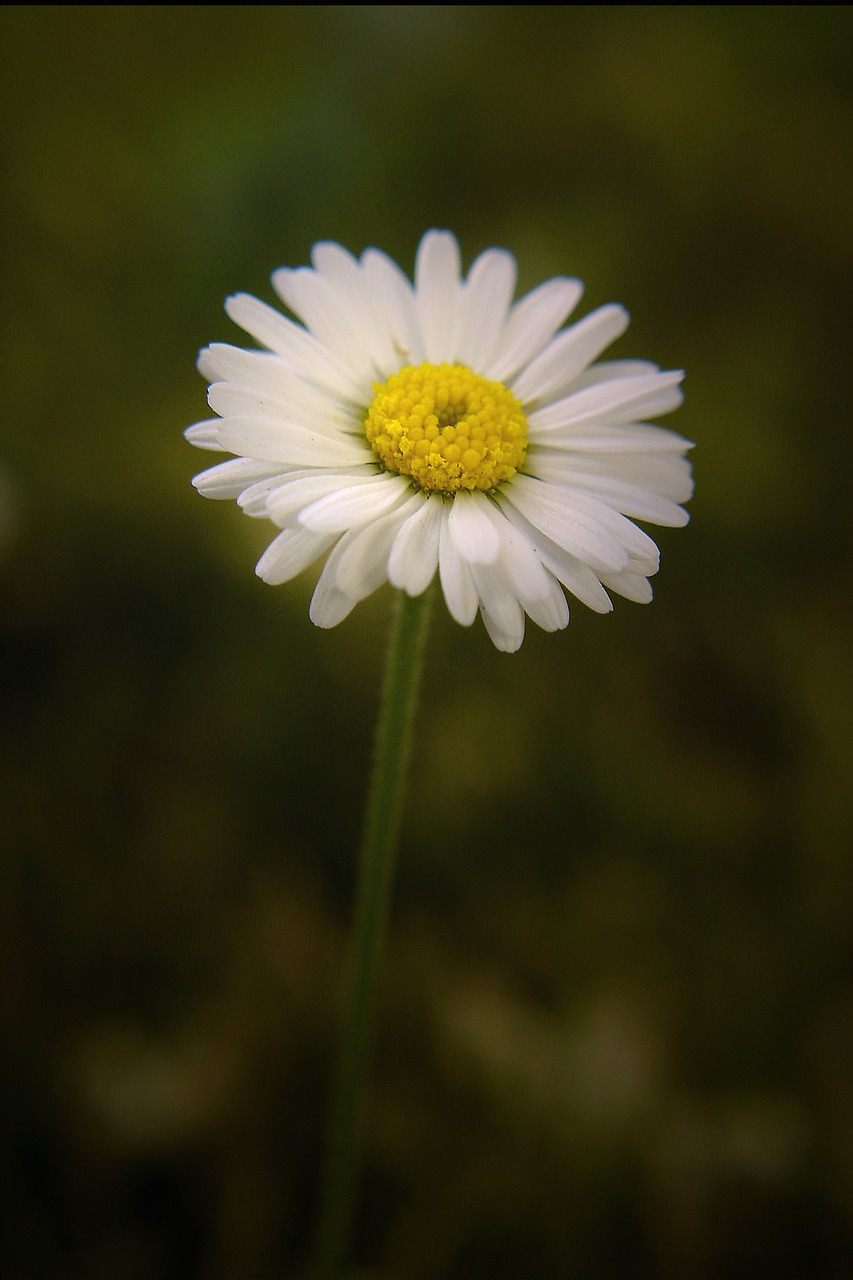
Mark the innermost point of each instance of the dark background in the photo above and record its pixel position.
(616, 1034)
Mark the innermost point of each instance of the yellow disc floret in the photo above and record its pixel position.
(447, 428)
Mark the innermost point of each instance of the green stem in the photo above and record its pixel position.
(376, 863)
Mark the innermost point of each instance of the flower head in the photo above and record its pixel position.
(408, 429)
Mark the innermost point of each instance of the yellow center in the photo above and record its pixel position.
(447, 428)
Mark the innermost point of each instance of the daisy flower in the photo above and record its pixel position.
(408, 429)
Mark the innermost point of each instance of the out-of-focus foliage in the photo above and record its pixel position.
(616, 1035)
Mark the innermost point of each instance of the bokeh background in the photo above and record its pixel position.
(616, 1027)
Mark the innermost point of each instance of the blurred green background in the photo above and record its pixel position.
(616, 1033)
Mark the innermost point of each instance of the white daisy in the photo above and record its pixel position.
(442, 426)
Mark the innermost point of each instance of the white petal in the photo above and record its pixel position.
(316, 303)
(301, 350)
(253, 500)
(532, 322)
(330, 605)
(631, 586)
(575, 576)
(473, 533)
(290, 443)
(666, 475)
(637, 501)
(362, 304)
(355, 505)
(438, 292)
(339, 311)
(519, 559)
(550, 612)
(632, 437)
(290, 553)
(636, 543)
(499, 607)
(363, 565)
(486, 300)
(304, 488)
(205, 435)
(529, 580)
(355, 568)
(395, 298)
(607, 370)
(414, 555)
(324, 313)
(505, 641)
(640, 504)
(613, 402)
(230, 479)
(547, 509)
(335, 263)
(460, 594)
(270, 375)
(554, 369)
(220, 362)
(330, 418)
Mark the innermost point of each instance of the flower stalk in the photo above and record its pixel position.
(375, 873)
